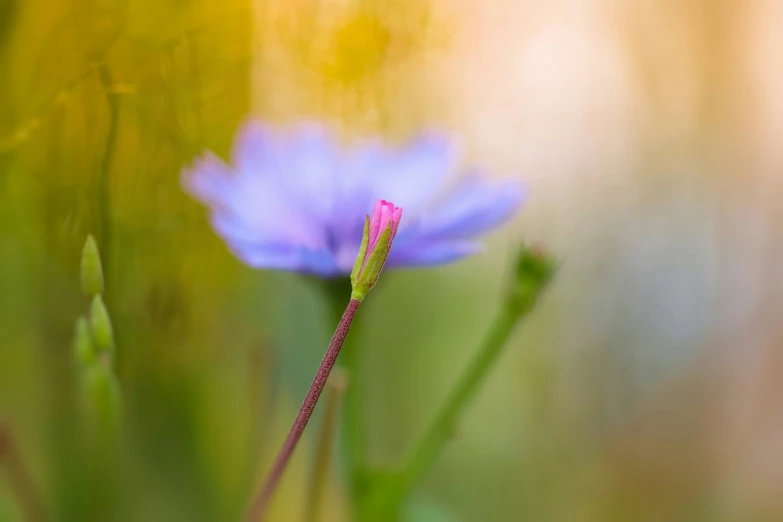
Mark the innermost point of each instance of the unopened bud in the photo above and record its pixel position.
(104, 399)
(534, 270)
(100, 323)
(379, 232)
(91, 269)
(83, 347)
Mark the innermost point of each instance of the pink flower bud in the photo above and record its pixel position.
(379, 232)
(383, 212)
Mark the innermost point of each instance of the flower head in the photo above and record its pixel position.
(296, 200)
(379, 232)
(384, 215)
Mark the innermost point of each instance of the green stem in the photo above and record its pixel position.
(386, 501)
(443, 426)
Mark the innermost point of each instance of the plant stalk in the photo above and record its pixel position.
(384, 502)
(260, 503)
(334, 396)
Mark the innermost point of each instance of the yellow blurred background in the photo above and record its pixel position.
(646, 386)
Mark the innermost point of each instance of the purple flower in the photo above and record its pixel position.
(297, 201)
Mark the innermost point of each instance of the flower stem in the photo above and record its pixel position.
(353, 434)
(385, 501)
(260, 503)
(442, 427)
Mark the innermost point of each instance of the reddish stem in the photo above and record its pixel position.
(260, 503)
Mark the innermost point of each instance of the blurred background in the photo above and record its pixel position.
(646, 386)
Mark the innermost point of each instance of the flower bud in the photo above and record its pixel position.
(534, 270)
(379, 232)
(91, 269)
(100, 322)
(82, 343)
(103, 398)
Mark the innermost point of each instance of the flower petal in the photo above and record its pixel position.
(413, 177)
(254, 200)
(308, 169)
(429, 253)
(256, 149)
(287, 257)
(353, 194)
(209, 179)
(292, 201)
(474, 207)
(234, 229)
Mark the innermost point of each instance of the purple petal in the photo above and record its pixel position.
(233, 229)
(308, 169)
(413, 176)
(287, 257)
(427, 253)
(256, 149)
(250, 205)
(209, 179)
(353, 194)
(473, 208)
(293, 201)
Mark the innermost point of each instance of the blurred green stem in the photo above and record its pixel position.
(353, 436)
(386, 498)
(443, 426)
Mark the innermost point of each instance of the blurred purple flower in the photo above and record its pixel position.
(295, 201)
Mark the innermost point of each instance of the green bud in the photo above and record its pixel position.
(534, 271)
(357, 265)
(101, 326)
(91, 269)
(368, 276)
(103, 397)
(82, 342)
(379, 232)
